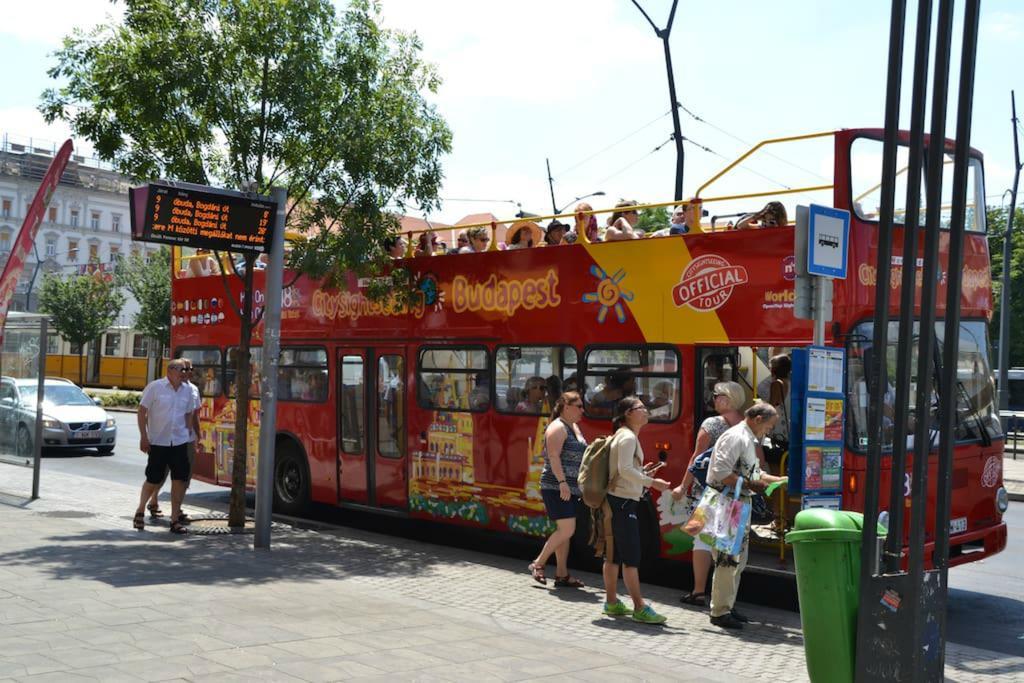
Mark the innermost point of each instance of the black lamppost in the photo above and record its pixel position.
(599, 193)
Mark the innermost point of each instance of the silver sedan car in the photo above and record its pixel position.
(70, 418)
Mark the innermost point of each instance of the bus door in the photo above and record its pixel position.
(372, 441)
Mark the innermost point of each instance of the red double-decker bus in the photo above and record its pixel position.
(434, 409)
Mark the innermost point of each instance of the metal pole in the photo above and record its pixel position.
(1004, 295)
(271, 358)
(551, 185)
(38, 441)
(906, 337)
(677, 133)
(818, 285)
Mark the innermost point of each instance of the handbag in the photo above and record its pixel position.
(700, 466)
(719, 520)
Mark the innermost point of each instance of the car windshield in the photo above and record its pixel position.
(56, 394)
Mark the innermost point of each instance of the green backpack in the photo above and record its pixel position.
(593, 475)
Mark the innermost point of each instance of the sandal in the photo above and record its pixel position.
(696, 599)
(184, 519)
(568, 581)
(178, 528)
(154, 511)
(538, 573)
(140, 521)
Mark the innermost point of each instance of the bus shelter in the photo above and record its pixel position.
(22, 369)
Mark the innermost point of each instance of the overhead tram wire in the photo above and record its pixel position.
(617, 142)
(721, 130)
(635, 162)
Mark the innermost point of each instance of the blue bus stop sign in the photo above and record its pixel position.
(828, 241)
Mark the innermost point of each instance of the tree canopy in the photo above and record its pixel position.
(278, 92)
(650, 220)
(80, 307)
(149, 281)
(997, 220)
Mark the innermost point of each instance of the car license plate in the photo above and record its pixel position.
(958, 525)
(93, 434)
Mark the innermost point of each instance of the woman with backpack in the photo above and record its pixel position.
(729, 398)
(563, 450)
(627, 478)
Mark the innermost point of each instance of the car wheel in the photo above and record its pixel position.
(105, 450)
(291, 480)
(24, 442)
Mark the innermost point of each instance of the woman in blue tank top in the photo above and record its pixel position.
(563, 452)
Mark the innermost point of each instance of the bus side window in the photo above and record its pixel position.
(453, 378)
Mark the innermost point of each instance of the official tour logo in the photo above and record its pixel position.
(707, 283)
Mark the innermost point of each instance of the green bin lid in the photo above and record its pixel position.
(820, 524)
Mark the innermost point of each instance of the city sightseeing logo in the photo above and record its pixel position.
(707, 283)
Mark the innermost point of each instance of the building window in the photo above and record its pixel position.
(74, 218)
(115, 223)
(72, 251)
(94, 220)
(115, 253)
(6, 210)
(112, 344)
(5, 242)
(51, 246)
(136, 251)
(53, 214)
(94, 252)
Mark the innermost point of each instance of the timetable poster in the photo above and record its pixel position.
(825, 370)
(822, 468)
(814, 425)
(833, 419)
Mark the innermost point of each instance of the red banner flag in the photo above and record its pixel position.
(27, 235)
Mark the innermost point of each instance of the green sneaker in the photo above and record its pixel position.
(616, 609)
(647, 615)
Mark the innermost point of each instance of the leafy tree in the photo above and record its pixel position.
(80, 307)
(997, 220)
(653, 219)
(264, 93)
(149, 281)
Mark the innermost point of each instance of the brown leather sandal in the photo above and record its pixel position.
(140, 521)
(568, 581)
(154, 511)
(538, 573)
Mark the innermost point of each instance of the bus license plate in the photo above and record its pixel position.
(94, 434)
(958, 525)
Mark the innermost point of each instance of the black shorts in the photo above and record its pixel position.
(556, 507)
(163, 458)
(625, 530)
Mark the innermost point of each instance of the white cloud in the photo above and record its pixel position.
(48, 21)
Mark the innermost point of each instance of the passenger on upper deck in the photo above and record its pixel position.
(203, 264)
(522, 236)
(426, 245)
(621, 223)
(554, 235)
(772, 215)
(461, 241)
(478, 239)
(395, 246)
(593, 234)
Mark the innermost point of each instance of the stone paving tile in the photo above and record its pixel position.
(398, 661)
(61, 677)
(267, 673)
(36, 663)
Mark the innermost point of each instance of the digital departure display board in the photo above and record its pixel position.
(195, 218)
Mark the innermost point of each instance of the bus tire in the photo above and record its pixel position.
(291, 479)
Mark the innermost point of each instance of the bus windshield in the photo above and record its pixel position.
(976, 416)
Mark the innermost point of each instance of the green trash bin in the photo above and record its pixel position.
(826, 550)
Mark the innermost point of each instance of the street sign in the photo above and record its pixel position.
(197, 216)
(828, 241)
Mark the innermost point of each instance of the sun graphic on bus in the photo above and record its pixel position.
(432, 294)
(609, 294)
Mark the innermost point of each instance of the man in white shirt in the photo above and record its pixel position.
(735, 456)
(165, 413)
(193, 429)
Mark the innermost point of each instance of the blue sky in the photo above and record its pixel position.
(565, 79)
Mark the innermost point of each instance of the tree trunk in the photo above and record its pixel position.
(236, 511)
(81, 365)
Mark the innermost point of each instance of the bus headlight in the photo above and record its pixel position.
(1002, 500)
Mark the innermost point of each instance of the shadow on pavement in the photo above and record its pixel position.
(1001, 614)
(129, 558)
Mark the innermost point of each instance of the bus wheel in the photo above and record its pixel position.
(291, 480)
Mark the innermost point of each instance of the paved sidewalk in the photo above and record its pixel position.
(1013, 475)
(84, 597)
